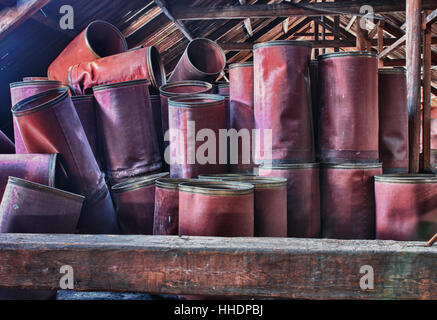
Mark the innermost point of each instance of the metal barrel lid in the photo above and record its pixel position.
(351, 166)
(59, 94)
(185, 83)
(46, 189)
(289, 166)
(241, 65)
(258, 182)
(120, 84)
(395, 70)
(28, 83)
(276, 43)
(172, 183)
(137, 182)
(195, 100)
(345, 54)
(406, 178)
(219, 188)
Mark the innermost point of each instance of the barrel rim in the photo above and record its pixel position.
(83, 97)
(288, 166)
(407, 178)
(276, 43)
(33, 83)
(61, 92)
(223, 85)
(214, 175)
(367, 54)
(137, 182)
(395, 70)
(47, 189)
(183, 83)
(150, 67)
(174, 103)
(171, 183)
(97, 56)
(204, 187)
(351, 166)
(215, 44)
(52, 169)
(120, 84)
(241, 65)
(257, 181)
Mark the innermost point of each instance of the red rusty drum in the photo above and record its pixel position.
(98, 39)
(128, 134)
(282, 100)
(155, 103)
(141, 63)
(348, 200)
(166, 215)
(203, 59)
(348, 107)
(223, 88)
(393, 120)
(270, 211)
(6, 145)
(135, 203)
(406, 206)
(242, 113)
(194, 123)
(303, 197)
(44, 169)
(216, 208)
(24, 89)
(314, 80)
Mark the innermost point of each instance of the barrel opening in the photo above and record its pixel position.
(104, 39)
(206, 56)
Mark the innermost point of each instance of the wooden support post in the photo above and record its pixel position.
(179, 24)
(316, 37)
(414, 22)
(361, 41)
(380, 33)
(426, 133)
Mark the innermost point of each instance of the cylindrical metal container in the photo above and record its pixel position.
(406, 206)
(203, 59)
(175, 89)
(29, 207)
(135, 203)
(44, 169)
(142, 63)
(24, 89)
(314, 81)
(50, 124)
(216, 208)
(223, 89)
(242, 115)
(348, 200)
(195, 147)
(98, 39)
(282, 101)
(270, 211)
(86, 110)
(6, 145)
(303, 197)
(128, 134)
(393, 120)
(155, 103)
(166, 215)
(348, 107)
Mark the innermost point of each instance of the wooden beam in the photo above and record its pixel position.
(392, 47)
(361, 38)
(328, 24)
(380, 40)
(12, 17)
(426, 126)
(413, 16)
(431, 18)
(179, 24)
(249, 267)
(288, 9)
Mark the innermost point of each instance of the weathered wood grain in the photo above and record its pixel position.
(264, 267)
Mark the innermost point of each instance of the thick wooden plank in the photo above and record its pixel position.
(12, 17)
(392, 47)
(431, 18)
(179, 24)
(288, 9)
(265, 267)
(414, 22)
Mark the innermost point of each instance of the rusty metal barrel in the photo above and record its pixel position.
(135, 203)
(216, 208)
(166, 214)
(348, 200)
(348, 128)
(98, 39)
(128, 133)
(6, 145)
(242, 113)
(24, 89)
(314, 81)
(194, 123)
(303, 196)
(282, 101)
(203, 59)
(406, 206)
(270, 211)
(393, 120)
(155, 103)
